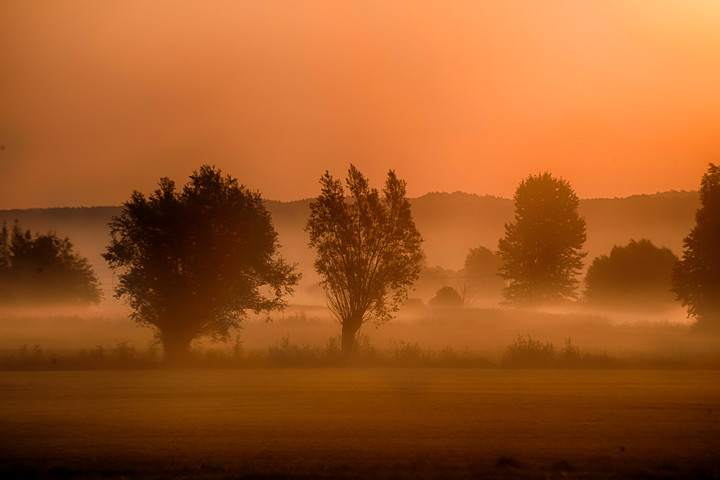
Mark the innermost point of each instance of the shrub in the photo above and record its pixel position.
(526, 352)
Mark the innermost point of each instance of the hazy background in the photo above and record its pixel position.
(451, 224)
(100, 98)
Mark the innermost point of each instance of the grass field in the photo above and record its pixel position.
(107, 338)
(360, 423)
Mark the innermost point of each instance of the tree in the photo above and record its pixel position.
(43, 269)
(431, 279)
(696, 278)
(368, 250)
(634, 275)
(481, 273)
(193, 261)
(446, 297)
(541, 249)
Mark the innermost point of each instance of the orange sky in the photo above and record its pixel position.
(98, 98)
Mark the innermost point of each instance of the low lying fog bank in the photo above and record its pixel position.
(487, 332)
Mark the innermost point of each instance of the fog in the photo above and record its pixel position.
(307, 334)
(451, 225)
(99, 99)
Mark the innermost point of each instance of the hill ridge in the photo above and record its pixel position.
(451, 224)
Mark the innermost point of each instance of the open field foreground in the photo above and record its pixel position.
(360, 423)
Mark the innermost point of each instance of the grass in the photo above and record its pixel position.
(307, 337)
(360, 423)
(523, 352)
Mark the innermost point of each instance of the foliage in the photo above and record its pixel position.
(479, 279)
(481, 273)
(193, 261)
(696, 278)
(525, 351)
(432, 279)
(638, 273)
(446, 297)
(541, 249)
(368, 249)
(43, 269)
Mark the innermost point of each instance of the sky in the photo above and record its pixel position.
(98, 99)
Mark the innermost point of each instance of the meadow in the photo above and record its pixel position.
(105, 338)
(360, 423)
(83, 395)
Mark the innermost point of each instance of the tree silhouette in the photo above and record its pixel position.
(431, 279)
(446, 297)
(541, 249)
(193, 261)
(368, 250)
(43, 269)
(696, 278)
(482, 273)
(634, 275)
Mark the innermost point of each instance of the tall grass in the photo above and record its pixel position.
(471, 338)
(527, 352)
(122, 355)
(524, 352)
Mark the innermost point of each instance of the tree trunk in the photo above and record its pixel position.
(176, 350)
(350, 329)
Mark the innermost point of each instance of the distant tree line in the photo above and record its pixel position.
(193, 261)
(43, 269)
(541, 254)
(636, 275)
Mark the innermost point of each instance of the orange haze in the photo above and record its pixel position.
(100, 98)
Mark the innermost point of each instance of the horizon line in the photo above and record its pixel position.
(437, 192)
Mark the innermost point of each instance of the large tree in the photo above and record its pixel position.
(368, 249)
(696, 278)
(542, 248)
(636, 275)
(43, 269)
(193, 261)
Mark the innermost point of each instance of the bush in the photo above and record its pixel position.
(122, 355)
(446, 297)
(526, 352)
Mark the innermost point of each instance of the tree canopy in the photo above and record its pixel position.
(542, 248)
(696, 278)
(634, 275)
(482, 273)
(192, 262)
(43, 269)
(446, 297)
(368, 249)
